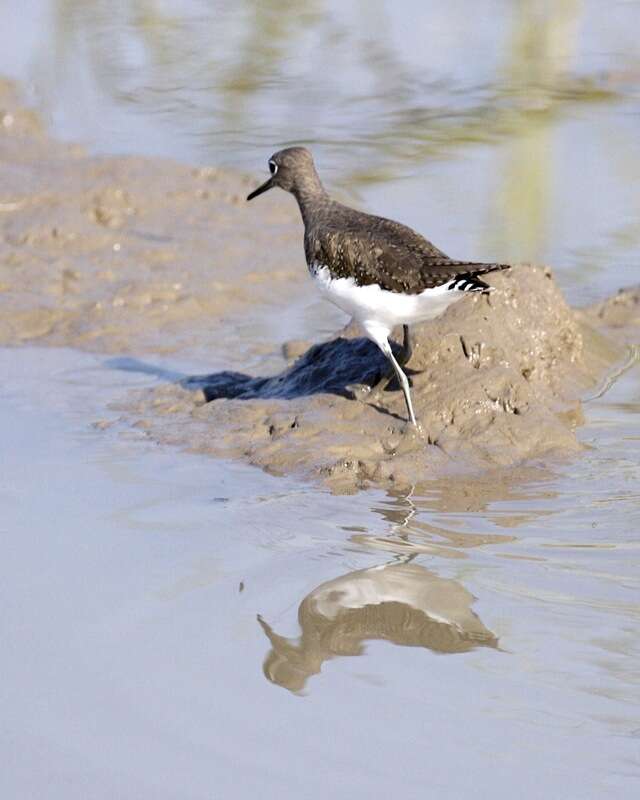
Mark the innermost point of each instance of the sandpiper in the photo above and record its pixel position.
(380, 272)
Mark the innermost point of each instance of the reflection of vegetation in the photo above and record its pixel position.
(270, 28)
(259, 68)
(536, 70)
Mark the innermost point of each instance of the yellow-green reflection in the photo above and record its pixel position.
(402, 603)
(240, 68)
(537, 70)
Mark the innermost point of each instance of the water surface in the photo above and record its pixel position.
(179, 627)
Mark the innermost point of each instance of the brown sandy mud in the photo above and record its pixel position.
(145, 256)
(497, 381)
(129, 254)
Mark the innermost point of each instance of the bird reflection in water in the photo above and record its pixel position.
(399, 602)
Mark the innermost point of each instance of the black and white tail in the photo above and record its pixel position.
(471, 281)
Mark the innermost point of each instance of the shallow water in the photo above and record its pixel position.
(181, 627)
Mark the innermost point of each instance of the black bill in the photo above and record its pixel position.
(265, 187)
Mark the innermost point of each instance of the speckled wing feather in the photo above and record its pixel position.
(375, 250)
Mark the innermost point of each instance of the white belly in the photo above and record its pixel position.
(379, 310)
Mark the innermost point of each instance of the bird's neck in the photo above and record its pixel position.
(311, 196)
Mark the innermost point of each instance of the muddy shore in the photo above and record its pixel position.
(135, 257)
(128, 254)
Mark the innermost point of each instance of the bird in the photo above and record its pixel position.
(380, 272)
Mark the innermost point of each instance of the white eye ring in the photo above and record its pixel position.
(273, 167)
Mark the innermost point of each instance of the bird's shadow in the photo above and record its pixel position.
(329, 368)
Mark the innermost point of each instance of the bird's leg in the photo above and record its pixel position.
(403, 357)
(402, 378)
(407, 345)
(395, 369)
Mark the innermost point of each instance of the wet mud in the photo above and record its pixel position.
(619, 315)
(497, 382)
(129, 254)
(135, 256)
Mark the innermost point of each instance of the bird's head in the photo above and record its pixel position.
(293, 170)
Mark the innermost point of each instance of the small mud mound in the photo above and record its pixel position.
(619, 315)
(497, 381)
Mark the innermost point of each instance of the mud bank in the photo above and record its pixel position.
(128, 254)
(497, 381)
(133, 255)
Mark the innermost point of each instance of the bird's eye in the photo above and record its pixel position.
(273, 167)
